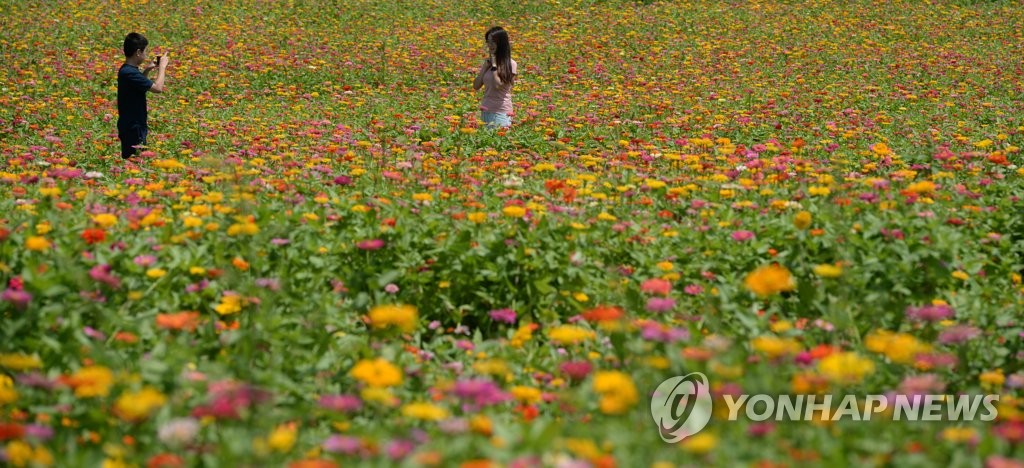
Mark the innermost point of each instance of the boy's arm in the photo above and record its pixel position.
(158, 85)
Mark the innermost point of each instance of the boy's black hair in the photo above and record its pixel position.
(134, 42)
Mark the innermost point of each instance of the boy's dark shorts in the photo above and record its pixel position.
(132, 135)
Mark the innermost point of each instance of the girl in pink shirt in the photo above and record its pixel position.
(497, 74)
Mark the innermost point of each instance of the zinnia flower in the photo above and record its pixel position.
(768, 280)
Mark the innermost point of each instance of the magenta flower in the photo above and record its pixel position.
(342, 180)
(654, 331)
(479, 392)
(371, 244)
(503, 315)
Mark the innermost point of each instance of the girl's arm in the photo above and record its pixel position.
(479, 81)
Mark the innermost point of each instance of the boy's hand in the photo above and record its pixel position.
(164, 59)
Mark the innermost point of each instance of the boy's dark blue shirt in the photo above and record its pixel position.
(131, 96)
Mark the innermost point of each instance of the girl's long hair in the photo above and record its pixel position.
(502, 53)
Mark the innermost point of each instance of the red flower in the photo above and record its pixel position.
(93, 236)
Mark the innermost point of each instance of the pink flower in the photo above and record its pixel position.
(660, 304)
(930, 313)
(958, 334)
(656, 286)
(693, 289)
(741, 236)
(503, 315)
(17, 297)
(576, 370)
(340, 403)
(371, 244)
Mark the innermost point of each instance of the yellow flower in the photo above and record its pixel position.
(105, 220)
(819, 191)
(901, 348)
(665, 266)
(37, 244)
(699, 443)
(378, 395)
(247, 228)
(604, 216)
(961, 275)
(992, 379)
(134, 406)
(18, 453)
(422, 197)
(91, 381)
(283, 438)
(377, 373)
(617, 391)
(514, 211)
(477, 217)
(828, 271)
(775, 347)
(923, 187)
(569, 334)
(845, 368)
(20, 362)
(230, 304)
(959, 434)
(526, 394)
(403, 317)
(768, 280)
(7, 393)
(424, 411)
(192, 222)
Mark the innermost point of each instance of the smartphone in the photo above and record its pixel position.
(157, 60)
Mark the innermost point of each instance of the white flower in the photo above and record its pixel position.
(93, 175)
(179, 431)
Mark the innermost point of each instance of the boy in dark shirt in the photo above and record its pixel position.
(132, 85)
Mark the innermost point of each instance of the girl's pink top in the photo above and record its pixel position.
(497, 98)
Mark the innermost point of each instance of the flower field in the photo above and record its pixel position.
(324, 259)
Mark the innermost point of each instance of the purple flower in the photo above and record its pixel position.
(930, 313)
(340, 403)
(279, 241)
(743, 235)
(660, 304)
(371, 244)
(36, 379)
(958, 334)
(342, 180)
(503, 315)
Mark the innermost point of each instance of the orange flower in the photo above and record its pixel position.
(187, 321)
(603, 314)
(769, 280)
